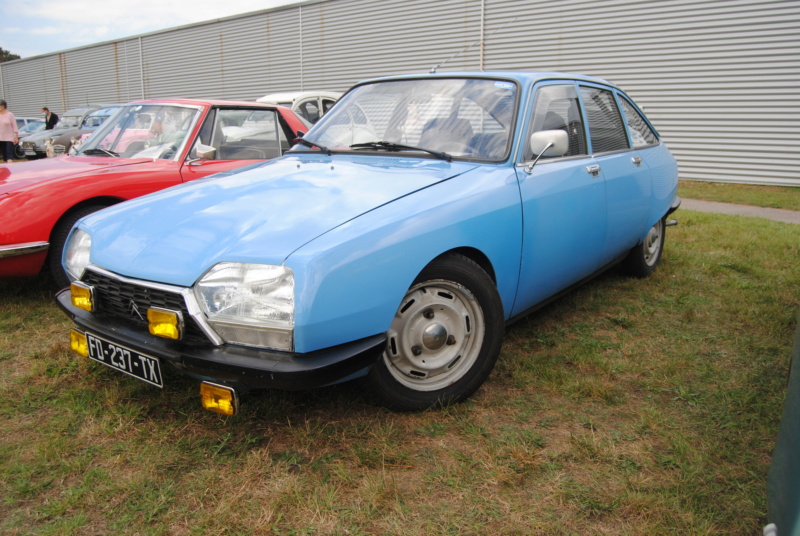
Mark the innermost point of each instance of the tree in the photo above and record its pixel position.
(5, 55)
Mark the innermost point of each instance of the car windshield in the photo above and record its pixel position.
(69, 121)
(143, 131)
(33, 127)
(447, 117)
(95, 119)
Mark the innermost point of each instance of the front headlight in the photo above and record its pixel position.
(249, 304)
(76, 254)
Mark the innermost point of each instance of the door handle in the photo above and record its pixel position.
(593, 170)
(636, 160)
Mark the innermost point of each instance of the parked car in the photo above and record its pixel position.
(23, 121)
(35, 146)
(783, 480)
(397, 259)
(311, 105)
(62, 141)
(25, 131)
(148, 145)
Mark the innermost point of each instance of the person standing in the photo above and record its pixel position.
(9, 135)
(50, 119)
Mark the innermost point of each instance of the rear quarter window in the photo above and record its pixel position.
(641, 133)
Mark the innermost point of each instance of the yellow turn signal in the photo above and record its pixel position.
(165, 323)
(77, 342)
(219, 399)
(81, 296)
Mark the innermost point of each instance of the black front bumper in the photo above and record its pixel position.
(236, 366)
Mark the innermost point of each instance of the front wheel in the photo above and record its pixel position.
(444, 340)
(643, 258)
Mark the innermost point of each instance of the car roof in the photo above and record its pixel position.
(291, 96)
(524, 77)
(79, 111)
(202, 102)
(105, 108)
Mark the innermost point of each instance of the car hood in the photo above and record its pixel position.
(22, 175)
(259, 215)
(74, 132)
(43, 136)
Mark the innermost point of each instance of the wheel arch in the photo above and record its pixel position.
(476, 256)
(105, 201)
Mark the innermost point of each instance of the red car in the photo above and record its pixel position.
(146, 146)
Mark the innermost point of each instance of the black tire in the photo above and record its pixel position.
(19, 153)
(58, 239)
(444, 340)
(643, 258)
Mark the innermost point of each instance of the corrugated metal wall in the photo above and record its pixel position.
(717, 77)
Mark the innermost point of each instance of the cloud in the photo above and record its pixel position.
(141, 15)
(85, 22)
(49, 30)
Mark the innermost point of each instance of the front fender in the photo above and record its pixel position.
(350, 281)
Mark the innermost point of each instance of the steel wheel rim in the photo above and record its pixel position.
(652, 243)
(435, 337)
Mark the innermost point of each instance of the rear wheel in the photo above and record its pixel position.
(444, 340)
(643, 258)
(58, 240)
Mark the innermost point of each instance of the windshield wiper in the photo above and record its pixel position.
(98, 151)
(391, 146)
(312, 144)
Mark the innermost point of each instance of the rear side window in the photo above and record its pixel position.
(641, 133)
(606, 130)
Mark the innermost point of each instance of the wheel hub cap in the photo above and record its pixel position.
(434, 336)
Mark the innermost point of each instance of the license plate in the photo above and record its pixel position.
(30, 151)
(131, 362)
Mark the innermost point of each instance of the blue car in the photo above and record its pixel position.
(392, 244)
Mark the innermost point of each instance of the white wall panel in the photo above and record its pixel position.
(349, 40)
(30, 85)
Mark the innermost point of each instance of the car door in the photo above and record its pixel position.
(234, 137)
(563, 202)
(626, 173)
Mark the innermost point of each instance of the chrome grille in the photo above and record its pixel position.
(128, 302)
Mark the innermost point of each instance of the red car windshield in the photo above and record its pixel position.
(143, 131)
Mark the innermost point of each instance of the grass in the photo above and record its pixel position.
(628, 407)
(784, 197)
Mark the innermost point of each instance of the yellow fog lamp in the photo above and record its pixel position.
(219, 399)
(82, 297)
(165, 323)
(77, 343)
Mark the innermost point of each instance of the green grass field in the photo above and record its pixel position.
(628, 407)
(744, 194)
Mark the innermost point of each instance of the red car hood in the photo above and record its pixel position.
(21, 175)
